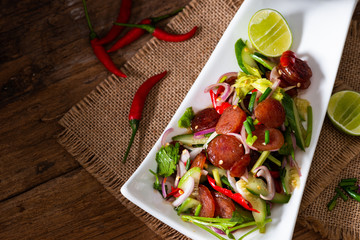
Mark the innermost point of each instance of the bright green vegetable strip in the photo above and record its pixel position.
(252, 101)
(332, 203)
(247, 128)
(344, 184)
(222, 79)
(197, 210)
(187, 167)
(352, 188)
(341, 194)
(252, 223)
(251, 123)
(206, 219)
(274, 160)
(157, 184)
(264, 95)
(185, 120)
(225, 181)
(264, 155)
(209, 230)
(354, 180)
(250, 139)
(353, 194)
(217, 177)
(309, 126)
(248, 233)
(267, 136)
(221, 225)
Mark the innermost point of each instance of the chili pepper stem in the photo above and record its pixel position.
(146, 27)
(134, 124)
(92, 32)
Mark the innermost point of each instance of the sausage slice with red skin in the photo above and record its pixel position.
(224, 150)
(205, 119)
(276, 138)
(270, 112)
(231, 120)
(199, 160)
(239, 167)
(207, 201)
(224, 206)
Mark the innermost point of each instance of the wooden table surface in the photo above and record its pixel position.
(47, 66)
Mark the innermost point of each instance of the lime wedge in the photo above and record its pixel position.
(344, 111)
(269, 32)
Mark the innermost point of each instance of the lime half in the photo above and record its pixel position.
(344, 111)
(269, 32)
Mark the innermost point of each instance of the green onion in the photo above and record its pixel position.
(248, 233)
(332, 203)
(209, 230)
(274, 160)
(251, 139)
(344, 184)
(251, 123)
(267, 136)
(265, 94)
(252, 101)
(217, 177)
(352, 188)
(341, 194)
(247, 128)
(264, 155)
(309, 126)
(349, 180)
(225, 181)
(188, 164)
(197, 210)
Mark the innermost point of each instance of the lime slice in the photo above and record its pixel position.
(269, 32)
(344, 111)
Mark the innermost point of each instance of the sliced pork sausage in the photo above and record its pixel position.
(231, 120)
(207, 201)
(276, 138)
(199, 160)
(205, 119)
(224, 206)
(270, 112)
(239, 167)
(224, 150)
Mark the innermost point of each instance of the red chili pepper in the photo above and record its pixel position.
(220, 109)
(138, 105)
(176, 192)
(99, 50)
(254, 90)
(161, 34)
(123, 17)
(136, 33)
(234, 196)
(287, 58)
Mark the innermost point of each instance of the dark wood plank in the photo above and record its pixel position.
(72, 206)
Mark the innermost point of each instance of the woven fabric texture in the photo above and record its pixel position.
(96, 130)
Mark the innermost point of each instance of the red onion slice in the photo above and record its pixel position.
(204, 172)
(185, 155)
(228, 74)
(273, 87)
(264, 172)
(219, 231)
(231, 181)
(225, 94)
(163, 189)
(188, 188)
(203, 132)
(274, 74)
(245, 176)
(182, 169)
(212, 136)
(238, 136)
(166, 133)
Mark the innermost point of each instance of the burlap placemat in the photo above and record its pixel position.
(96, 130)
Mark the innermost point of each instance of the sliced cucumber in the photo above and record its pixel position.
(210, 168)
(245, 61)
(188, 139)
(263, 61)
(281, 198)
(194, 172)
(256, 202)
(289, 178)
(189, 203)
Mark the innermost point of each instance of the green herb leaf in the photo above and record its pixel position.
(185, 120)
(167, 158)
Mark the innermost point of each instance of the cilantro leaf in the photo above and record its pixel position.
(167, 158)
(185, 120)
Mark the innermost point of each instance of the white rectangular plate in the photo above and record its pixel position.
(319, 30)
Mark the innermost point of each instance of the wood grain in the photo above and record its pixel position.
(47, 66)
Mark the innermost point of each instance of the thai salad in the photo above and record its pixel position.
(236, 158)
